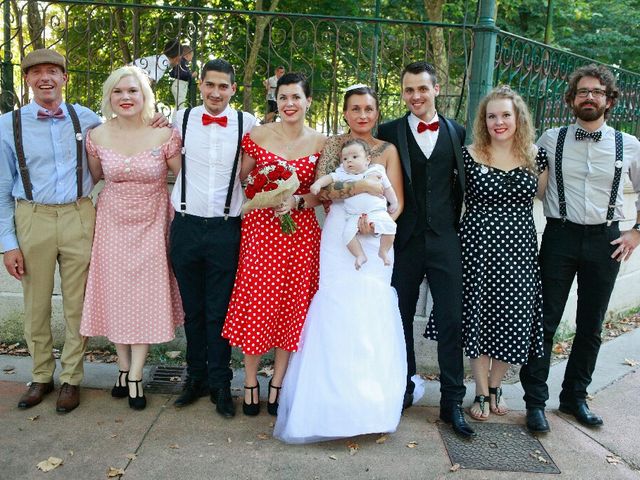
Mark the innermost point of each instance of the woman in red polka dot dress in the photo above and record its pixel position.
(277, 273)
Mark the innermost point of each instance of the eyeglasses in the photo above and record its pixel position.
(596, 92)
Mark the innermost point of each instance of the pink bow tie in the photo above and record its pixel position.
(44, 114)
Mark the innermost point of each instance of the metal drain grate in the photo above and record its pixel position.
(166, 379)
(498, 446)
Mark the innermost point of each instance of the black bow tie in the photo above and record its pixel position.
(582, 134)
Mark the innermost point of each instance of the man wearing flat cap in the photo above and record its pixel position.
(47, 218)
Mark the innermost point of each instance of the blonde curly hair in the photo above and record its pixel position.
(524, 137)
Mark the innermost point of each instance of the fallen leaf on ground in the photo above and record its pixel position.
(262, 436)
(132, 456)
(614, 459)
(33, 419)
(49, 464)
(590, 397)
(412, 444)
(353, 448)
(175, 446)
(630, 362)
(210, 444)
(266, 371)
(381, 439)
(271, 424)
(114, 435)
(71, 453)
(115, 472)
(249, 443)
(173, 354)
(228, 439)
(333, 457)
(118, 420)
(455, 467)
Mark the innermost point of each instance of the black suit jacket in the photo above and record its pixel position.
(396, 132)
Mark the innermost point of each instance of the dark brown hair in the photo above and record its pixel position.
(603, 74)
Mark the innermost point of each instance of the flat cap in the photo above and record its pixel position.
(43, 55)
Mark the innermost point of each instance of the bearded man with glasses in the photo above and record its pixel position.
(583, 204)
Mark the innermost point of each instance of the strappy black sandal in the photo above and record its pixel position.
(251, 409)
(482, 400)
(497, 391)
(272, 408)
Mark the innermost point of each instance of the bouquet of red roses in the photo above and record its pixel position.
(268, 185)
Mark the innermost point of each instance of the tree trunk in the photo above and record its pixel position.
(17, 14)
(34, 22)
(121, 32)
(438, 45)
(252, 60)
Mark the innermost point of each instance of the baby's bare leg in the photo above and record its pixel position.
(386, 242)
(355, 247)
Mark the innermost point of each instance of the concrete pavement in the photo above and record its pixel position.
(162, 442)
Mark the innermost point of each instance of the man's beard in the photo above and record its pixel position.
(589, 115)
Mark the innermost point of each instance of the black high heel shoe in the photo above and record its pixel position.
(119, 390)
(272, 408)
(251, 409)
(139, 401)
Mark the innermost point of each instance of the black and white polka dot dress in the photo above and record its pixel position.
(502, 295)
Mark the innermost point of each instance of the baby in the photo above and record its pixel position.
(356, 165)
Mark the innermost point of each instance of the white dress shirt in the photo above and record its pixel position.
(210, 152)
(587, 170)
(427, 139)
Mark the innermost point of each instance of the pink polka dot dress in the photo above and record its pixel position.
(132, 295)
(277, 273)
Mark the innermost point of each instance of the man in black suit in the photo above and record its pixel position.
(426, 240)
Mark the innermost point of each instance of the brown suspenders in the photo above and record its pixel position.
(22, 163)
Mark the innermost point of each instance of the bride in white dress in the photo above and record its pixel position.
(349, 374)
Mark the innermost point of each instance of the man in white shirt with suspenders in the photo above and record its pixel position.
(583, 204)
(205, 233)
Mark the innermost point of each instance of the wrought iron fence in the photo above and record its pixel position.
(540, 73)
(333, 52)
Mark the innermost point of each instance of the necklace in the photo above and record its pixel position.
(290, 143)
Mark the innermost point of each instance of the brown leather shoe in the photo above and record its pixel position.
(68, 399)
(35, 394)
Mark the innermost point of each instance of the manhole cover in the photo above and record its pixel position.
(166, 379)
(498, 446)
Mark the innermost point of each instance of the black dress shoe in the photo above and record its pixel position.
(224, 401)
(407, 401)
(454, 415)
(251, 409)
(536, 421)
(582, 413)
(272, 407)
(120, 389)
(193, 390)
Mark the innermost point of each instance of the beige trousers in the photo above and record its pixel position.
(50, 234)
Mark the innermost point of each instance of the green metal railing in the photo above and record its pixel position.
(540, 73)
(334, 52)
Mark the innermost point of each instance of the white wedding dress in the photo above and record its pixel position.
(349, 375)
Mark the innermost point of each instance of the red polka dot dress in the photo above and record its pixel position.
(277, 273)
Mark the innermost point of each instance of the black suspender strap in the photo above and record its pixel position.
(22, 163)
(227, 203)
(183, 168)
(79, 147)
(617, 175)
(562, 204)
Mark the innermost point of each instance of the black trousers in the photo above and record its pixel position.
(204, 256)
(567, 250)
(439, 258)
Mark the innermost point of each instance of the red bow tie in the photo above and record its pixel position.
(207, 119)
(428, 126)
(44, 114)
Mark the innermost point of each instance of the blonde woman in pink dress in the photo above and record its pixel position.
(132, 297)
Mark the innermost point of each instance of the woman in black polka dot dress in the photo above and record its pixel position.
(502, 296)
